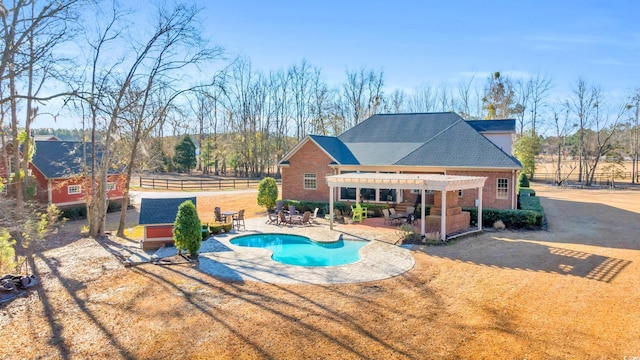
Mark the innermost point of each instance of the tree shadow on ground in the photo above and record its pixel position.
(528, 255)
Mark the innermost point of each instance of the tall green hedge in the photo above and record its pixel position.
(512, 219)
(187, 230)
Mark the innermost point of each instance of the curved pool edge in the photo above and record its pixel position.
(379, 261)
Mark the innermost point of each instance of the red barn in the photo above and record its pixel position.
(59, 167)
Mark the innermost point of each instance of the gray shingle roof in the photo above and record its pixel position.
(399, 128)
(459, 146)
(423, 139)
(504, 125)
(336, 149)
(160, 211)
(61, 159)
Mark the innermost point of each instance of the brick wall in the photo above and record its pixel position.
(489, 199)
(309, 159)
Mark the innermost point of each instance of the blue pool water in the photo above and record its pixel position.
(299, 250)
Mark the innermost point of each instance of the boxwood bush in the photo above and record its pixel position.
(512, 219)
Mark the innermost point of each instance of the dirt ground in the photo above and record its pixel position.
(572, 291)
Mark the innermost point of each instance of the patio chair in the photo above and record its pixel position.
(392, 211)
(363, 211)
(283, 218)
(387, 216)
(314, 216)
(306, 218)
(219, 217)
(239, 220)
(356, 213)
(272, 218)
(338, 215)
(279, 206)
(292, 210)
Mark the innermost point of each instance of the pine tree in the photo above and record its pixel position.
(185, 154)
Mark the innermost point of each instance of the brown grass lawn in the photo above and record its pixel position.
(572, 291)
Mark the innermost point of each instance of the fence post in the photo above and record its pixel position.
(181, 184)
(234, 184)
(219, 184)
(140, 181)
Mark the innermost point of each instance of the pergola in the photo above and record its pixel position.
(423, 182)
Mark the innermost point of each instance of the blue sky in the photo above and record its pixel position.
(433, 43)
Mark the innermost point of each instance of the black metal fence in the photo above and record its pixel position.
(198, 184)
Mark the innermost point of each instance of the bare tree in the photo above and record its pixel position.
(363, 93)
(30, 30)
(561, 126)
(635, 103)
(582, 106)
(599, 139)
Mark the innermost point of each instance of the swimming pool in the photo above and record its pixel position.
(302, 251)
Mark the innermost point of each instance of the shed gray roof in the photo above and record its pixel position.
(160, 211)
(61, 159)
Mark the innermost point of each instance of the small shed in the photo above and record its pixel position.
(158, 216)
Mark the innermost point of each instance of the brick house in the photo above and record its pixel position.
(421, 143)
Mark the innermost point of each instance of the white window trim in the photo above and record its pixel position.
(498, 188)
(310, 177)
(79, 187)
(460, 193)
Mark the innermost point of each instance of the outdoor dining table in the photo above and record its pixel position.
(400, 216)
(228, 214)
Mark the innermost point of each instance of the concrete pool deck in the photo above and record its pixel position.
(379, 259)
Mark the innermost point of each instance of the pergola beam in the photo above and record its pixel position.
(423, 182)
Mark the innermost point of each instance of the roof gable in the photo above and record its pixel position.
(160, 211)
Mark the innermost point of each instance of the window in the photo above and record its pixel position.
(74, 189)
(502, 191)
(310, 182)
(460, 193)
(111, 186)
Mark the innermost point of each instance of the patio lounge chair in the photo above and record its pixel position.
(283, 218)
(272, 218)
(279, 206)
(314, 216)
(305, 219)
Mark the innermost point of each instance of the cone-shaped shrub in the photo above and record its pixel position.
(187, 231)
(268, 193)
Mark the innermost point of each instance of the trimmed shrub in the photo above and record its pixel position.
(268, 193)
(218, 227)
(205, 231)
(527, 192)
(523, 180)
(187, 229)
(512, 219)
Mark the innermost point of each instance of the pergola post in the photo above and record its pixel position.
(443, 218)
(331, 194)
(480, 208)
(422, 211)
